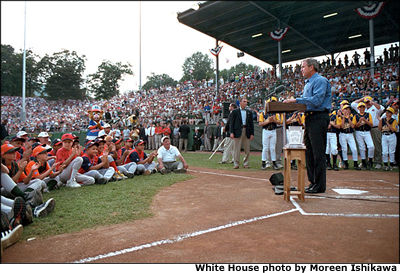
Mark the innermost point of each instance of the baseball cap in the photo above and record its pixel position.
(164, 138)
(43, 134)
(129, 140)
(139, 142)
(8, 148)
(90, 143)
(40, 149)
(96, 108)
(367, 98)
(390, 109)
(117, 140)
(106, 125)
(360, 104)
(99, 139)
(67, 136)
(22, 133)
(346, 106)
(56, 142)
(17, 138)
(344, 102)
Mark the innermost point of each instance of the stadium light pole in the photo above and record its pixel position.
(371, 45)
(140, 45)
(23, 112)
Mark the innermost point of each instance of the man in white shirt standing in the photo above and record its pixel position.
(376, 111)
(167, 155)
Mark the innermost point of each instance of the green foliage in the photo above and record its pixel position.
(62, 73)
(199, 66)
(11, 72)
(226, 74)
(104, 83)
(156, 81)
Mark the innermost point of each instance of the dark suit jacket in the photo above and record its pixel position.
(235, 123)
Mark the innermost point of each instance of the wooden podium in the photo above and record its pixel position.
(290, 153)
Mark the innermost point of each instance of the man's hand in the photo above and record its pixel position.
(251, 137)
(289, 101)
(232, 135)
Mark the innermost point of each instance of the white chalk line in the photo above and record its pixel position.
(358, 196)
(374, 215)
(230, 175)
(180, 237)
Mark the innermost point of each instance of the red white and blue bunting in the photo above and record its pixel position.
(216, 51)
(371, 10)
(278, 34)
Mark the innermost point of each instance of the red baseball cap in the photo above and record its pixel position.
(40, 149)
(8, 148)
(67, 136)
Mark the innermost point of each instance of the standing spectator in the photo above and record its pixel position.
(126, 133)
(385, 56)
(151, 138)
(367, 56)
(346, 60)
(356, 58)
(175, 135)
(217, 136)
(115, 132)
(184, 131)
(242, 132)
(207, 136)
(3, 129)
(158, 135)
(196, 139)
(391, 52)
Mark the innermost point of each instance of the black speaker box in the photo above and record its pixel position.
(276, 179)
(225, 109)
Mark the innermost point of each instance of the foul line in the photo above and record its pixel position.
(377, 215)
(181, 237)
(231, 175)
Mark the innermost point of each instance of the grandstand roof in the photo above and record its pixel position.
(309, 34)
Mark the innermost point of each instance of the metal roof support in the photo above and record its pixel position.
(280, 60)
(371, 45)
(291, 28)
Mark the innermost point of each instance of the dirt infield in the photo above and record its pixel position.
(234, 216)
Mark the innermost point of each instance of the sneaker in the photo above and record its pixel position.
(130, 175)
(19, 209)
(147, 172)
(102, 180)
(378, 166)
(154, 171)
(73, 184)
(386, 168)
(268, 165)
(180, 170)
(163, 171)
(280, 166)
(10, 237)
(341, 164)
(45, 208)
(222, 162)
(52, 184)
(116, 177)
(275, 166)
(122, 175)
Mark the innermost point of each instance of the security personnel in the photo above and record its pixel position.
(388, 126)
(269, 122)
(363, 125)
(331, 142)
(346, 122)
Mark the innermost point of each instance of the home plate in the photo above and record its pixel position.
(348, 191)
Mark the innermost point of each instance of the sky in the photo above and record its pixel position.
(110, 31)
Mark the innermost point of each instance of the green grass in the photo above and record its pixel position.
(99, 205)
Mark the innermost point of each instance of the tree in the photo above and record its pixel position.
(236, 70)
(104, 83)
(11, 72)
(199, 66)
(62, 74)
(156, 81)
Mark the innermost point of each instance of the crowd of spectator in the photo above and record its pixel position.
(198, 101)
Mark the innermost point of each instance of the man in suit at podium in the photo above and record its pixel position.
(241, 129)
(317, 98)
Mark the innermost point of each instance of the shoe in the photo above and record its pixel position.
(222, 162)
(52, 184)
(130, 175)
(147, 172)
(19, 209)
(378, 166)
(340, 164)
(263, 167)
(116, 177)
(45, 208)
(310, 187)
(335, 168)
(386, 168)
(28, 217)
(275, 166)
(122, 175)
(346, 165)
(355, 166)
(180, 170)
(236, 167)
(154, 171)
(280, 166)
(102, 180)
(314, 189)
(246, 166)
(268, 165)
(73, 184)
(10, 237)
(163, 171)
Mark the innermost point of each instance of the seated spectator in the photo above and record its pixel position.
(166, 157)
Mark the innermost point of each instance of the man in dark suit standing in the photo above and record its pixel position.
(241, 128)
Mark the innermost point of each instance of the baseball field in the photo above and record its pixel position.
(215, 214)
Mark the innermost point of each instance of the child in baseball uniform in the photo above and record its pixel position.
(388, 126)
(363, 125)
